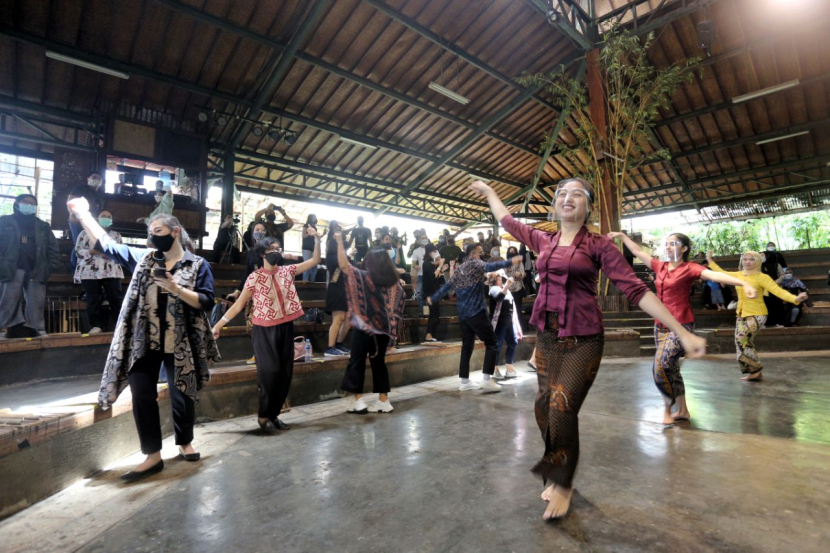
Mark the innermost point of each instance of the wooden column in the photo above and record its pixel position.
(608, 206)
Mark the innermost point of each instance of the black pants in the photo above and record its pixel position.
(776, 310)
(95, 291)
(517, 301)
(477, 326)
(434, 315)
(360, 253)
(143, 380)
(365, 345)
(274, 351)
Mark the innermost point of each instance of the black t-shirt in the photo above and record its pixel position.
(361, 237)
(276, 230)
(308, 241)
(431, 283)
(27, 251)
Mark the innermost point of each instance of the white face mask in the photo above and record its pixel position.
(788, 277)
(494, 253)
(94, 183)
(770, 248)
(391, 253)
(434, 255)
(424, 242)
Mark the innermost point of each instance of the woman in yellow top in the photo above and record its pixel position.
(752, 313)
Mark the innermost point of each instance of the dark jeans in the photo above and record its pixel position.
(274, 352)
(365, 345)
(434, 315)
(360, 253)
(506, 333)
(75, 229)
(477, 326)
(143, 381)
(95, 291)
(793, 315)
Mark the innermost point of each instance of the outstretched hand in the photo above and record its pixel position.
(614, 235)
(516, 260)
(749, 291)
(695, 346)
(480, 187)
(78, 206)
(802, 297)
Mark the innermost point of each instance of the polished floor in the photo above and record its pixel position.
(449, 471)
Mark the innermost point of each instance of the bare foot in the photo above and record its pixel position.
(548, 493)
(560, 502)
(149, 462)
(754, 376)
(681, 416)
(667, 417)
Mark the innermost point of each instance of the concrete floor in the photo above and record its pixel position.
(449, 471)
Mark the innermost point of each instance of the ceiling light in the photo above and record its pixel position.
(357, 143)
(87, 65)
(202, 117)
(257, 131)
(448, 93)
(777, 138)
(222, 120)
(765, 91)
(277, 134)
(291, 138)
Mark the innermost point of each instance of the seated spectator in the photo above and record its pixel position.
(28, 255)
(794, 286)
(99, 275)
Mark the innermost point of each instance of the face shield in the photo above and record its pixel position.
(671, 250)
(570, 203)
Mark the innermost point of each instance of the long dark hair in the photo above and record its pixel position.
(684, 240)
(380, 268)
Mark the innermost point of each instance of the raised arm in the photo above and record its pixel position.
(726, 278)
(633, 248)
(121, 253)
(288, 220)
(496, 205)
(315, 259)
(342, 258)
(770, 286)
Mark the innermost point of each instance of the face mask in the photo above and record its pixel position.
(162, 243)
(391, 253)
(494, 253)
(95, 183)
(424, 242)
(105, 222)
(271, 218)
(273, 258)
(770, 248)
(788, 277)
(27, 209)
(434, 255)
(259, 235)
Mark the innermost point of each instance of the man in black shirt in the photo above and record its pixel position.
(361, 236)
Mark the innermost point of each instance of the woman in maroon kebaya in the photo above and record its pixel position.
(569, 324)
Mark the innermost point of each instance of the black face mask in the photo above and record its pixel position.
(271, 218)
(387, 246)
(274, 258)
(162, 243)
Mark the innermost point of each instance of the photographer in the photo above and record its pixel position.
(272, 228)
(226, 240)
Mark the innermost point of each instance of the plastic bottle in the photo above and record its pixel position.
(308, 356)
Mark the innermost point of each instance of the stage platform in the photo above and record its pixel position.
(450, 471)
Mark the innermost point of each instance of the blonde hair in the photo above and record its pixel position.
(173, 223)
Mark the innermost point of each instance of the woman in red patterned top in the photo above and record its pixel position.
(569, 326)
(674, 279)
(275, 307)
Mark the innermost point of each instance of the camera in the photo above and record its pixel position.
(236, 220)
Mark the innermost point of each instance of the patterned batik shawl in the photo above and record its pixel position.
(194, 350)
(373, 309)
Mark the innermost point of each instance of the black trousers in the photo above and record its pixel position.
(477, 326)
(143, 381)
(274, 351)
(96, 291)
(360, 253)
(365, 345)
(776, 310)
(434, 315)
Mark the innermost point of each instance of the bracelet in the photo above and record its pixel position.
(225, 320)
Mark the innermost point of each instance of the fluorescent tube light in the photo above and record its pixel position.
(449, 93)
(777, 138)
(765, 91)
(357, 143)
(87, 65)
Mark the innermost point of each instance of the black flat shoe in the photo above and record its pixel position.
(134, 476)
(281, 425)
(532, 367)
(267, 426)
(191, 457)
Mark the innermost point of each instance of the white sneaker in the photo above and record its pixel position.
(95, 330)
(382, 407)
(359, 406)
(469, 386)
(497, 375)
(490, 386)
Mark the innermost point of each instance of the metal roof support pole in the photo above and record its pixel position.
(557, 128)
(227, 185)
(270, 87)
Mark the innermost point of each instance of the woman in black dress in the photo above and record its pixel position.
(336, 301)
(432, 281)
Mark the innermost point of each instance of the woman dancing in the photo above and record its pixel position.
(674, 279)
(276, 305)
(752, 312)
(569, 323)
(376, 298)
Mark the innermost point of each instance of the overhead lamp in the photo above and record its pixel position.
(777, 138)
(87, 65)
(765, 91)
(202, 117)
(257, 131)
(448, 93)
(277, 134)
(357, 143)
(222, 120)
(290, 138)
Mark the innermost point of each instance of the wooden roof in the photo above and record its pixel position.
(360, 69)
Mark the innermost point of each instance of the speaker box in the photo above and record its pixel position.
(706, 34)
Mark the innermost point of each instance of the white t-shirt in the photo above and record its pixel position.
(418, 257)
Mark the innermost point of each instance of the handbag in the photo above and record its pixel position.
(313, 315)
(299, 348)
(218, 311)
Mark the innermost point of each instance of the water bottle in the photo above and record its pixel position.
(308, 357)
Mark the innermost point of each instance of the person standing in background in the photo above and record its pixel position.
(28, 256)
(774, 266)
(99, 275)
(93, 192)
(308, 246)
(272, 228)
(361, 237)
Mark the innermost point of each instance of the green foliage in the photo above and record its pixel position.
(634, 90)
